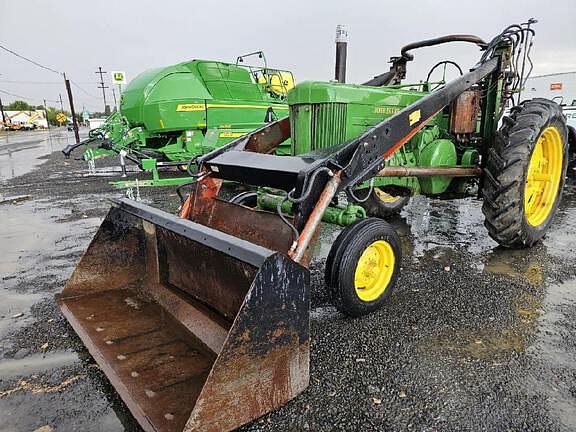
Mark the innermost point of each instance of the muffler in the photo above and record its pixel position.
(198, 329)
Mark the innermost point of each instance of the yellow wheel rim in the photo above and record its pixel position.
(543, 177)
(386, 197)
(374, 270)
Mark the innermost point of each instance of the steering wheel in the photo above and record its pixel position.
(444, 63)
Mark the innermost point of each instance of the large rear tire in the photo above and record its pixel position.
(381, 203)
(363, 266)
(525, 173)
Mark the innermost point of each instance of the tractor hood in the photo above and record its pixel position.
(311, 92)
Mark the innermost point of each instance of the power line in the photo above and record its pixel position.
(30, 61)
(24, 97)
(42, 82)
(89, 94)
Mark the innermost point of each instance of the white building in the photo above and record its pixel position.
(560, 87)
(94, 123)
(27, 118)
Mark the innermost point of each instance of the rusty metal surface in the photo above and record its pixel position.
(157, 369)
(313, 222)
(265, 360)
(267, 139)
(260, 227)
(191, 337)
(202, 198)
(113, 259)
(464, 112)
(430, 172)
(215, 279)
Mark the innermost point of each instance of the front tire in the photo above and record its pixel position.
(363, 266)
(525, 173)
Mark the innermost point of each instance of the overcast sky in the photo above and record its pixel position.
(77, 37)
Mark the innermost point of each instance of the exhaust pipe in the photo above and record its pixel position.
(341, 51)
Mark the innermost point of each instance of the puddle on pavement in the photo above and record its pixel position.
(20, 153)
(29, 230)
(554, 347)
(37, 363)
(452, 223)
(35, 245)
(561, 237)
(525, 264)
(558, 318)
(489, 344)
(14, 310)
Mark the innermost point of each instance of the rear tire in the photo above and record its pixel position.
(363, 266)
(382, 204)
(525, 173)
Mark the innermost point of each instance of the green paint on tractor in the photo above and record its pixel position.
(176, 113)
(328, 114)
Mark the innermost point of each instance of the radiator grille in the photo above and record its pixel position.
(328, 124)
(316, 126)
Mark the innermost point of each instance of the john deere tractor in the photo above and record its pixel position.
(201, 321)
(171, 115)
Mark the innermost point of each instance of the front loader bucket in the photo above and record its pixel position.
(197, 330)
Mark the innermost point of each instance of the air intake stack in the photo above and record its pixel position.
(341, 47)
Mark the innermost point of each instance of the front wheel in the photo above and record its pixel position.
(525, 173)
(363, 266)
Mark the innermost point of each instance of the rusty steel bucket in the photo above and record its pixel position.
(196, 328)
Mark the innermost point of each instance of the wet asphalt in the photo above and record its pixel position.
(474, 337)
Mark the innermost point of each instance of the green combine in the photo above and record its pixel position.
(169, 116)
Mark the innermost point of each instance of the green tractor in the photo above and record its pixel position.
(459, 151)
(171, 115)
(202, 321)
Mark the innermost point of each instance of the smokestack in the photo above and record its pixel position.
(341, 47)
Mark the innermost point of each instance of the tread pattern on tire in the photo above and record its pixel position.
(341, 259)
(505, 172)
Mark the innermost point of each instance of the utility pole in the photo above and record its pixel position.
(71, 101)
(61, 104)
(46, 113)
(115, 103)
(2, 111)
(103, 87)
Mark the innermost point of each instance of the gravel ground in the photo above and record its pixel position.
(474, 337)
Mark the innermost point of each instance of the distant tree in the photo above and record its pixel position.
(19, 106)
(52, 115)
(40, 107)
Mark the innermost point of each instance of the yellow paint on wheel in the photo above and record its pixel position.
(386, 197)
(543, 176)
(374, 270)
